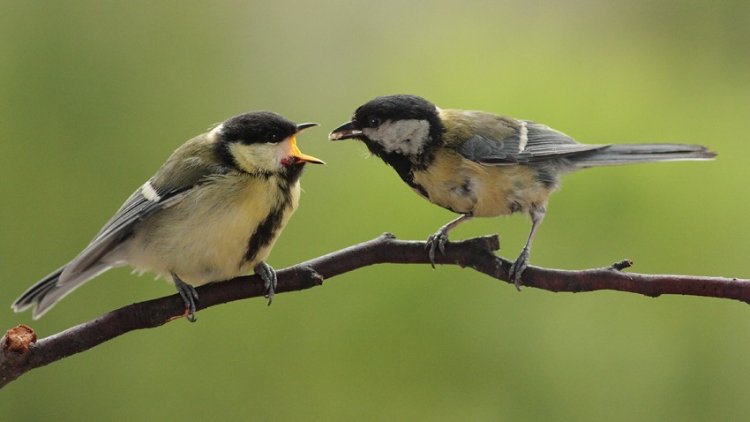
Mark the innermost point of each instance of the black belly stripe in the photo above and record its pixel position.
(264, 233)
(267, 229)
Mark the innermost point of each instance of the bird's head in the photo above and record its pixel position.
(261, 142)
(404, 125)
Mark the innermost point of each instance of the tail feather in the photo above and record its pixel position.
(45, 293)
(641, 153)
(40, 289)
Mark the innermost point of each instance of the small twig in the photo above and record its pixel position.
(621, 265)
(20, 352)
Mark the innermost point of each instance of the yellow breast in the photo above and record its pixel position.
(466, 187)
(205, 237)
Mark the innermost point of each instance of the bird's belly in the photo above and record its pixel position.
(506, 190)
(466, 187)
(203, 243)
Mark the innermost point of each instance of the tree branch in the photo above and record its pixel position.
(20, 352)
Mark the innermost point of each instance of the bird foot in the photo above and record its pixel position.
(435, 242)
(268, 275)
(189, 295)
(518, 267)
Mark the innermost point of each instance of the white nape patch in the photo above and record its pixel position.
(523, 137)
(407, 137)
(149, 192)
(213, 134)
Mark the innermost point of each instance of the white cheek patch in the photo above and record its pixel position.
(259, 157)
(407, 137)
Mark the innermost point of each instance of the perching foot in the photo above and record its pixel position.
(268, 275)
(436, 241)
(188, 295)
(518, 267)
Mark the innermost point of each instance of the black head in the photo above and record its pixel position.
(394, 107)
(405, 125)
(257, 127)
(261, 142)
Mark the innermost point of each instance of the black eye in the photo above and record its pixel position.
(373, 121)
(273, 137)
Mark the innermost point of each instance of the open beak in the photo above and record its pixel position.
(296, 153)
(345, 131)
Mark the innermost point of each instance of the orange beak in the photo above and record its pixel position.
(294, 150)
(296, 153)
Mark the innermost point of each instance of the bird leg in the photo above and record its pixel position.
(188, 295)
(518, 267)
(437, 240)
(268, 275)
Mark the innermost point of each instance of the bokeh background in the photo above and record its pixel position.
(94, 95)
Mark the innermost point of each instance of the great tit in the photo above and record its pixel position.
(479, 164)
(211, 212)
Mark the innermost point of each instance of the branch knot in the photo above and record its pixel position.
(18, 340)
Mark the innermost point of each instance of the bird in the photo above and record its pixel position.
(211, 212)
(480, 164)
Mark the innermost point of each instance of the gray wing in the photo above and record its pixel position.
(143, 202)
(189, 166)
(531, 142)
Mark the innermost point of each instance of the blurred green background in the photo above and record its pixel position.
(94, 95)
